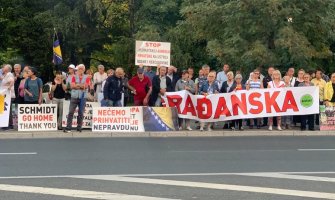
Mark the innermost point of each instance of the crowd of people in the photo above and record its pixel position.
(112, 88)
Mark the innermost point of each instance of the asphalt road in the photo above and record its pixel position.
(168, 168)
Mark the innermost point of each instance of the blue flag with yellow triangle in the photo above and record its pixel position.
(57, 53)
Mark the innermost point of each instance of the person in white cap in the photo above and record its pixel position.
(71, 72)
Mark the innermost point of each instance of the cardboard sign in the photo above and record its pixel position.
(5, 103)
(87, 122)
(327, 118)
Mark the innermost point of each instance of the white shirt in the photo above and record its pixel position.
(8, 80)
(98, 79)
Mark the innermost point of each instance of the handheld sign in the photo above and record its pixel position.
(152, 53)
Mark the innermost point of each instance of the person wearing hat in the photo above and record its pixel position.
(71, 72)
(140, 85)
(33, 88)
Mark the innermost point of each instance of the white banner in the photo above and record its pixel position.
(118, 119)
(35, 117)
(87, 122)
(152, 53)
(5, 103)
(245, 104)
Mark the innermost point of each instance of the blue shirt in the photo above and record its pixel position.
(221, 77)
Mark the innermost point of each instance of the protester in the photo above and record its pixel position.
(58, 90)
(200, 81)
(307, 119)
(287, 120)
(21, 87)
(33, 88)
(228, 85)
(299, 79)
(238, 87)
(290, 73)
(113, 89)
(255, 83)
(276, 83)
(149, 73)
(260, 76)
(110, 73)
(329, 94)
(7, 85)
(98, 78)
(266, 80)
(91, 93)
(70, 75)
(140, 86)
(190, 71)
(125, 89)
(222, 76)
(80, 84)
(160, 84)
(172, 73)
(17, 79)
(185, 83)
(208, 88)
(320, 83)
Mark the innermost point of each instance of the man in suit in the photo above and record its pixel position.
(173, 75)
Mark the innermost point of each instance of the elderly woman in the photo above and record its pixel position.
(329, 94)
(275, 83)
(238, 86)
(227, 87)
(208, 88)
(185, 84)
(304, 118)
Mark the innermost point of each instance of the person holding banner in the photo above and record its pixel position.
(113, 89)
(208, 88)
(140, 86)
(329, 94)
(255, 83)
(7, 85)
(276, 83)
(238, 87)
(160, 84)
(80, 84)
(287, 120)
(307, 118)
(33, 88)
(200, 81)
(185, 84)
(227, 87)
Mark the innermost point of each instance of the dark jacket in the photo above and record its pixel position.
(224, 87)
(266, 80)
(205, 87)
(113, 88)
(174, 80)
(156, 82)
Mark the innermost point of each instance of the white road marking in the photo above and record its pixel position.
(22, 153)
(74, 193)
(266, 190)
(316, 149)
(155, 175)
(289, 176)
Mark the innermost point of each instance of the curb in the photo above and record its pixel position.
(218, 133)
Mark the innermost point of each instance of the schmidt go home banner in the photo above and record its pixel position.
(245, 104)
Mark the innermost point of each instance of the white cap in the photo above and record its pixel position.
(72, 66)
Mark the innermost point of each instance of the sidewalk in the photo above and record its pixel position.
(195, 133)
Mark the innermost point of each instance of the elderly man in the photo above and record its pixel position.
(140, 85)
(7, 84)
(160, 84)
(113, 89)
(173, 75)
(17, 78)
(222, 76)
(80, 84)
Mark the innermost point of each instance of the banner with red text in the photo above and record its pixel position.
(245, 104)
(35, 117)
(117, 119)
(152, 53)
